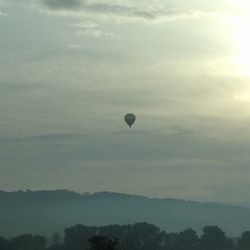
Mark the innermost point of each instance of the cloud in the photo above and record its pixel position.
(73, 46)
(2, 14)
(48, 138)
(86, 25)
(62, 4)
(89, 28)
(93, 33)
(118, 10)
(122, 10)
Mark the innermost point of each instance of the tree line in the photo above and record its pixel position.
(139, 236)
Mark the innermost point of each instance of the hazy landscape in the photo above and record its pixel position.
(124, 125)
(46, 212)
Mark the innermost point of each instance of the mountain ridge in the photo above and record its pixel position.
(48, 211)
(113, 194)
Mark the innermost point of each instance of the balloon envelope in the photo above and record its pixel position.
(130, 119)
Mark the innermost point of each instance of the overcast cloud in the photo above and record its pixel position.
(70, 70)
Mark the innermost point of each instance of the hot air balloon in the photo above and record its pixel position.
(130, 119)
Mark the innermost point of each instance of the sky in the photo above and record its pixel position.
(71, 69)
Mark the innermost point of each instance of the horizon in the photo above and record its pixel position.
(86, 193)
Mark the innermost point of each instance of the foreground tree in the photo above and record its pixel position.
(214, 238)
(244, 240)
(28, 242)
(187, 240)
(76, 237)
(3, 244)
(103, 243)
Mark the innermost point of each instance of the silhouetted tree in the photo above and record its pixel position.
(28, 242)
(140, 236)
(56, 242)
(214, 238)
(56, 247)
(103, 243)
(3, 244)
(244, 240)
(55, 239)
(187, 240)
(169, 240)
(76, 237)
(147, 236)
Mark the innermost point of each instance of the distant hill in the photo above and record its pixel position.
(237, 204)
(46, 212)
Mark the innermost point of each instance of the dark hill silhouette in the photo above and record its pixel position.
(46, 212)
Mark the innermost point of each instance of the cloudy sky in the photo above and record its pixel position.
(71, 69)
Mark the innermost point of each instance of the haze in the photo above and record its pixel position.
(70, 70)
